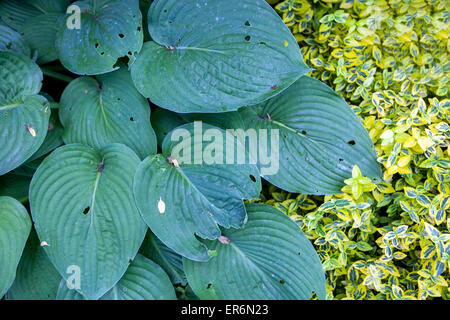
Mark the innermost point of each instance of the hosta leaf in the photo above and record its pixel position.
(269, 259)
(37, 278)
(168, 259)
(11, 40)
(23, 114)
(320, 138)
(211, 56)
(105, 110)
(15, 226)
(82, 205)
(144, 280)
(37, 21)
(109, 30)
(179, 202)
(53, 139)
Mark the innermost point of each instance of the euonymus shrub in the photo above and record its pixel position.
(231, 103)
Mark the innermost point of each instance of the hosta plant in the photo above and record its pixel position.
(141, 181)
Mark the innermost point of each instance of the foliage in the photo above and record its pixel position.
(102, 166)
(390, 60)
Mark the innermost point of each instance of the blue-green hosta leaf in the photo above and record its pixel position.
(37, 278)
(37, 21)
(83, 207)
(15, 226)
(105, 110)
(109, 30)
(269, 259)
(24, 115)
(53, 139)
(320, 138)
(144, 280)
(215, 56)
(191, 188)
(11, 40)
(165, 257)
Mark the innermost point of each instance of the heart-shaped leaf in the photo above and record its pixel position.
(144, 280)
(11, 40)
(101, 111)
(165, 257)
(37, 21)
(15, 226)
(269, 259)
(24, 115)
(209, 57)
(109, 30)
(83, 207)
(320, 138)
(37, 278)
(183, 196)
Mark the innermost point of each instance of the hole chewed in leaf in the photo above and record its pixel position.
(252, 177)
(86, 210)
(351, 142)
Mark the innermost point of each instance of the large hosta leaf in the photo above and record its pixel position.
(179, 200)
(168, 259)
(37, 278)
(215, 56)
(11, 40)
(320, 138)
(15, 226)
(37, 21)
(144, 280)
(24, 115)
(270, 258)
(110, 29)
(82, 205)
(105, 110)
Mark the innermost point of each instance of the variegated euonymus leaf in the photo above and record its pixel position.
(36, 278)
(107, 109)
(191, 188)
(215, 56)
(37, 21)
(168, 259)
(269, 259)
(11, 40)
(320, 138)
(15, 226)
(109, 30)
(83, 208)
(144, 280)
(24, 115)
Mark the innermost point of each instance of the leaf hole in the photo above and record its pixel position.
(86, 210)
(304, 132)
(340, 159)
(282, 281)
(130, 53)
(121, 35)
(247, 38)
(96, 45)
(209, 286)
(247, 23)
(139, 29)
(252, 177)
(351, 142)
(102, 53)
(132, 119)
(299, 253)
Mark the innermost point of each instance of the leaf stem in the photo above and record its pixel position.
(56, 75)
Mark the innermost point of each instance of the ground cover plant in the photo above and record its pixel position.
(126, 188)
(390, 60)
